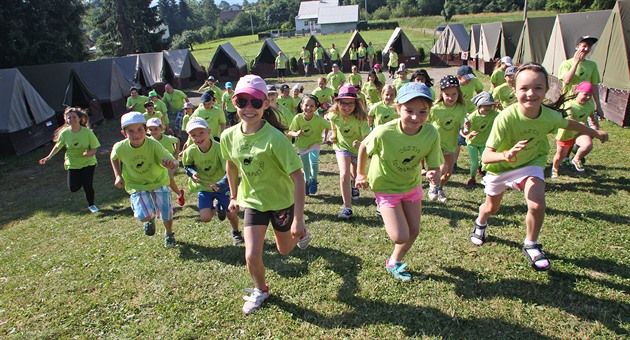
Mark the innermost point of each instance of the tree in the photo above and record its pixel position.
(41, 32)
(224, 5)
(448, 11)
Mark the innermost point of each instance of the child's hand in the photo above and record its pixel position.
(169, 163)
(333, 139)
(298, 228)
(233, 206)
(361, 181)
(85, 154)
(356, 144)
(119, 182)
(195, 177)
(433, 176)
(213, 186)
(472, 134)
(579, 56)
(298, 133)
(601, 135)
(43, 160)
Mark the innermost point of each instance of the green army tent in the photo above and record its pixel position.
(451, 45)
(407, 53)
(227, 64)
(182, 69)
(355, 39)
(265, 62)
(534, 39)
(473, 50)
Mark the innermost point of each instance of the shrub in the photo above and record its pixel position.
(382, 13)
(377, 25)
(421, 54)
(185, 40)
(293, 65)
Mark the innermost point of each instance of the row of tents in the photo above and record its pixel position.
(549, 41)
(34, 97)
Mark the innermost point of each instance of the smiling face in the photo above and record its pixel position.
(133, 93)
(72, 119)
(583, 47)
(530, 88)
(413, 114)
(135, 133)
(450, 96)
(389, 95)
(484, 109)
(155, 131)
(322, 83)
(308, 107)
(200, 136)
(347, 106)
(250, 115)
(583, 97)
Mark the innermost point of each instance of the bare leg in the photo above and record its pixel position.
(254, 243)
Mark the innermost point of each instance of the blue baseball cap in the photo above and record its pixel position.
(410, 91)
(228, 85)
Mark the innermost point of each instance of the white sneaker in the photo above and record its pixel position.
(93, 209)
(433, 192)
(304, 241)
(254, 301)
(441, 195)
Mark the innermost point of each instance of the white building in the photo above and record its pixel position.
(326, 16)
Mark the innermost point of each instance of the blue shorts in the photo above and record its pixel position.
(206, 200)
(461, 140)
(148, 203)
(346, 153)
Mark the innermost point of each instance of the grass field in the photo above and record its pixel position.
(69, 274)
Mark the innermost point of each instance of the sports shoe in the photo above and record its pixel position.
(471, 183)
(554, 173)
(441, 195)
(169, 240)
(237, 237)
(345, 214)
(399, 271)
(312, 189)
(254, 301)
(93, 209)
(181, 200)
(305, 240)
(433, 191)
(577, 164)
(307, 186)
(149, 227)
(378, 212)
(565, 164)
(221, 213)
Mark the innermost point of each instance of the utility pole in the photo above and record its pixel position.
(251, 22)
(525, 11)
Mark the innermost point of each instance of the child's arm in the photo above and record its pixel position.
(119, 182)
(298, 228)
(333, 130)
(89, 153)
(177, 151)
(585, 130)
(490, 155)
(231, 171)
(292, 133)
(53, 152)
(361, 180)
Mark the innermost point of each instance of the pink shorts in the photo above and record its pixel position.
(392, 200)
(566, 143)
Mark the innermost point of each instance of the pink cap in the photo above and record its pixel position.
(584, 87)
(347, 92)
(377, 66)
(253, 85)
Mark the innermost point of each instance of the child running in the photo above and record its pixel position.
(582, 110)
(211, 114)
(383, 111)
(498, 74)
(144, 175)
(206, 168)
(349, 126)
(355, 78)
(396, 149)
(504, 93)
(80, 158)
(516, 154)
(422, 76)
(477, 129)
(307, 128)
(171, 144)
(372, 89)
(447, 115)
(401, 77)
(272, 183)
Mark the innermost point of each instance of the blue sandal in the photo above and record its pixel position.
(400, 272)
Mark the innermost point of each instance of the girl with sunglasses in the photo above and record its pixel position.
(271, 186)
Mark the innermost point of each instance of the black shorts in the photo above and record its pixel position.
(281, 72)
(281, 220)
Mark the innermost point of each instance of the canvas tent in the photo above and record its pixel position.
(355, 39)
(182, 69)
(451, 47)
(534, 39)
(612, 58)
(310, 45)
(407, 53)
(128, 67)
(510, 34)
(61, 87)
(473, 51)
(489, 38)
(150, 70)
(227, 64)
(265, 61)
(108, 84)
(26, 120)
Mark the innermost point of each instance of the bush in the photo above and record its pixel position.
(185, 40)
(377, 25)
(293, 65)
(421, 54)
(382, 13)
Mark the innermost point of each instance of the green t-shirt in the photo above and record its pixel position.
(355, 79)
(218, 94)
(281, 62)
(334, 54)
(174, 101)
(448, 121)
(469, 90)
(347, 131)
(138, 103)
(395, 166)
(76, 144)
(398, 83)
(214, 117)
(382, 113)
(306, 56)
(497, 77)
(432, 91)
(159, 105)
(142, 167)
(381, 77)
(511, 127)
(185, 122)
(226, 98)
(482, 124)
(296, 102)
(576, 112)
(504, 94)
(168, 142)
(335, 79)
(353, 53)
(285, 115)
(311, 130)
(362, 52)
(371, 92)
(209, 165)
(318, 53)
(370, 51)
(586, 71)
(393, 60)
(265, 160)
(156, 114)
(288, 103)
(324, 95)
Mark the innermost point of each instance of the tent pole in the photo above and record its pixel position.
(525, 10)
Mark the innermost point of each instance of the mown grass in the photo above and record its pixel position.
(66, 273)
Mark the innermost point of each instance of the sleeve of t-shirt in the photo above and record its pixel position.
(286, 155)
(564, 69)
(478, 86)
(114, 154)
(94, 143)
(496, 133)
(595, 77)
(186, 159)
(61, 140)
(372, 144)
(161, 153)
(372, 111)
(365, 128)
(222, 119)
(294, 124)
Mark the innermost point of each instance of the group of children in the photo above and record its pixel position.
(254, 166)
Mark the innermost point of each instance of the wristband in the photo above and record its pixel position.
(232, 198)
(507, 159)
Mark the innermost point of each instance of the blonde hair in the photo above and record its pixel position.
(388, 87)
(84, 120)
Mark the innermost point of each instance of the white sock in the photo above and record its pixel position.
(392, 262)
(535, 252)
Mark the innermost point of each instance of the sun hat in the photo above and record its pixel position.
(410, 91)
(483, 98)
(507, 60)
(196, 123)
(153, 93)
(271, 89)
(154, 122)
(132, 117)
(586, 38)
(207, 96)
(585, 87)
(347, 91)
(335, 65)
(228, 85)
(466, 72)
(253, 85)
(297, 87)
(448, 81)
(401, 68)
(510, 71)
(189, 105)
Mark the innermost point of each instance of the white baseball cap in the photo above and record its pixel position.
(132, 117)
(154, 122)
(196, 123)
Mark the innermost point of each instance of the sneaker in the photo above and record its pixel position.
(169, 240)
(149, 227)
(578, 165)
(565, 164)
(441, 195)
(254, 301)
(433, 192)
(221, 214)
(471, 183)
(181, 200)
(93, 209)
(305, 240)
(378, 212)
(399, 271)
(307, 186)
(355, 194)
(345, 214)
(237, 237)
(312, 189)
(554, 173)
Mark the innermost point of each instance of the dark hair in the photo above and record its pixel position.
(428, 81)
(377, 82)
(535, 67)
(271, 115)
(84, 120)
(148, 103)
(308, 96)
